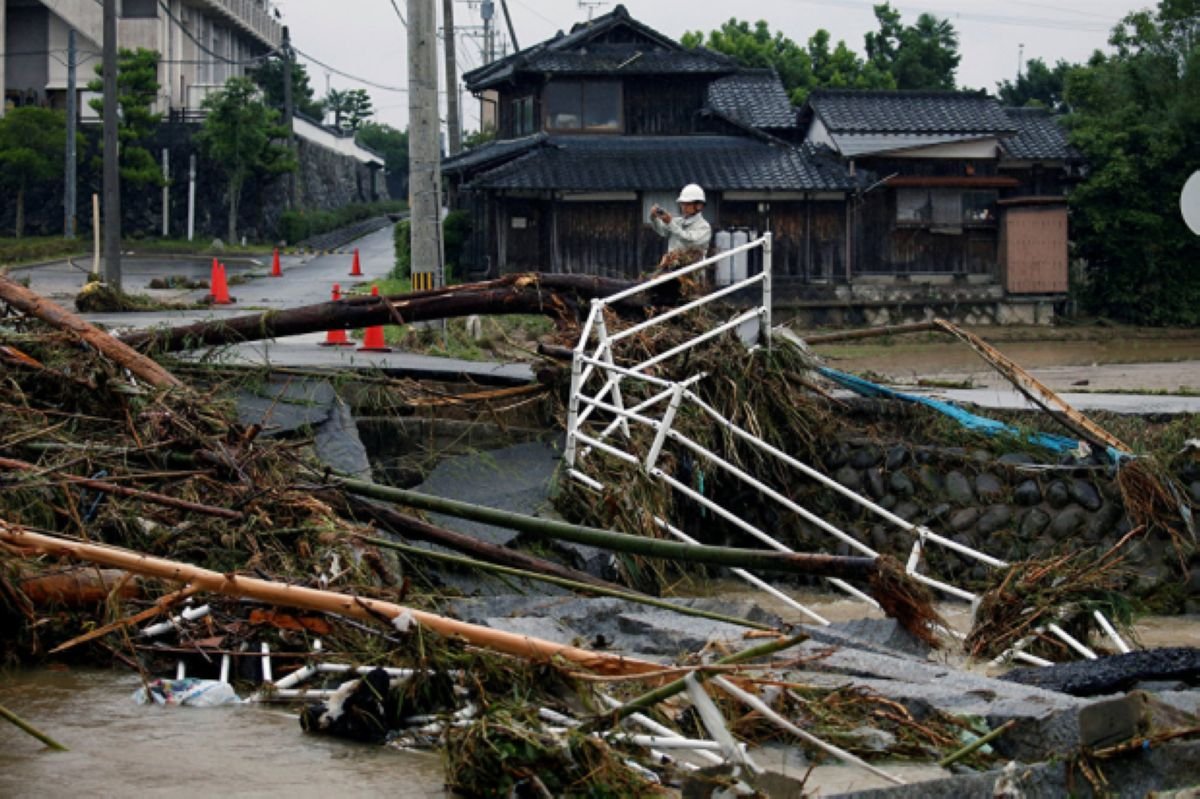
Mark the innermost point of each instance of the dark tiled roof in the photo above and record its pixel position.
(849, 111)
(646, 52)
(611, 163)
(756, 98)
(494, 152)
(1039, 137)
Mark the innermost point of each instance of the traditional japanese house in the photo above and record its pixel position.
(881, 204)
(596, 126)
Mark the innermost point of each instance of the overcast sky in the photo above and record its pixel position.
(366, 39)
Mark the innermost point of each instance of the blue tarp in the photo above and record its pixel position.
(967, 419)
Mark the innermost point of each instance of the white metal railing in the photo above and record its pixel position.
(595, 361)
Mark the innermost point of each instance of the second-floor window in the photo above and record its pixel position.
(945, 207)
(585, 106)
(523, 123)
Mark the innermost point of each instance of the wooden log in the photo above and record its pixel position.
(33, 304)
(556, 296)
(124, 491)
(77, 587)
(418, 530)
(371, 610)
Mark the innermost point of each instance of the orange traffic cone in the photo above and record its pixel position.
(336, 338)
(220, 288)
(356, 269)
(275, 270)
(373, 337)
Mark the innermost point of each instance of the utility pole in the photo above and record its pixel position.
(487, 10)
(453, 123)
(288, 110)
(424, 169)
(112, 174)
(512, 33)
(69, 186)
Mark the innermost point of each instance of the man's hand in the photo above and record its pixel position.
(664, 216)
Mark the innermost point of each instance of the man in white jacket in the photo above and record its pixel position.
(688, 231)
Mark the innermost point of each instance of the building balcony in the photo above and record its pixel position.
(253, 17)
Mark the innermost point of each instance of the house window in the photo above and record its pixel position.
(593, 106)
(139, 9)
(522, 111)
(945, 207)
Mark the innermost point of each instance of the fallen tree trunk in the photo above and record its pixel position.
(77, 587)
(370, 610)
(556, 296)
(33, 304)
(418, 530)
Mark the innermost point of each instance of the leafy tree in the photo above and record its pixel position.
(137, 89)
(350, 108)
(269, 77)
(478, 138)
(386, 140)
(1136, 118)
(920, 56)
(1038, 85)
(801, 69)
(32, 141)
(239, 135)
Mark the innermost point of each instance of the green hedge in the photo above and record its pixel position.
(456, 230)
(296, 226)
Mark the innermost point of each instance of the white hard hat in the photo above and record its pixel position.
(691, 193)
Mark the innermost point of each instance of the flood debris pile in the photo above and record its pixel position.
(142, 522)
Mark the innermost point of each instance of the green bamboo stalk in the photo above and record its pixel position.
(653, 697)
(977, 743)
(25, 726)
(565, 583)
(796, 563)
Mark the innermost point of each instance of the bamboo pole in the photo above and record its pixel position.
(26, 727)
(977, 743)
(629, 596)
(124, 491)
(33, 304)
(295, 596)
(827, 565)
(653, 697)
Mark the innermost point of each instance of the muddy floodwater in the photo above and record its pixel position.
(120, 747)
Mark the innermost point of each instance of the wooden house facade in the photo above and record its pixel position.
(595, 126)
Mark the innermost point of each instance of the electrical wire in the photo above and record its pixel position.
(396, 8)
(347, 75)
(257, 60)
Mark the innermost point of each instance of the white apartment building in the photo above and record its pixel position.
(202, 44)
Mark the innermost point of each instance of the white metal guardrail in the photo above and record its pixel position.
(595, 362)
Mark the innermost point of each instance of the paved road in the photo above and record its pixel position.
(306, 279)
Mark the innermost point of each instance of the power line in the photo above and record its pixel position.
(347, 75)
(396, 8)
(179, 24)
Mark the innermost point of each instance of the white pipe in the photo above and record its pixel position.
(763, 708)
(296, 677)
(621, 370)
(191, 614)
(698, 340)
(748, 577)
(680, 309)
(225, 663)
(678, 273)
(266, 663)
(1111, 632)
(662, 742)
(587, 481)
(609, 448)
(652, 401)
(838, 487)
(938, 584)
(654, 726)
(1071, 641)
(180, 670)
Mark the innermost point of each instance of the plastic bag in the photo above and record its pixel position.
(189, 692)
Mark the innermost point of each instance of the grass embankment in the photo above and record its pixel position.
(36, 249)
